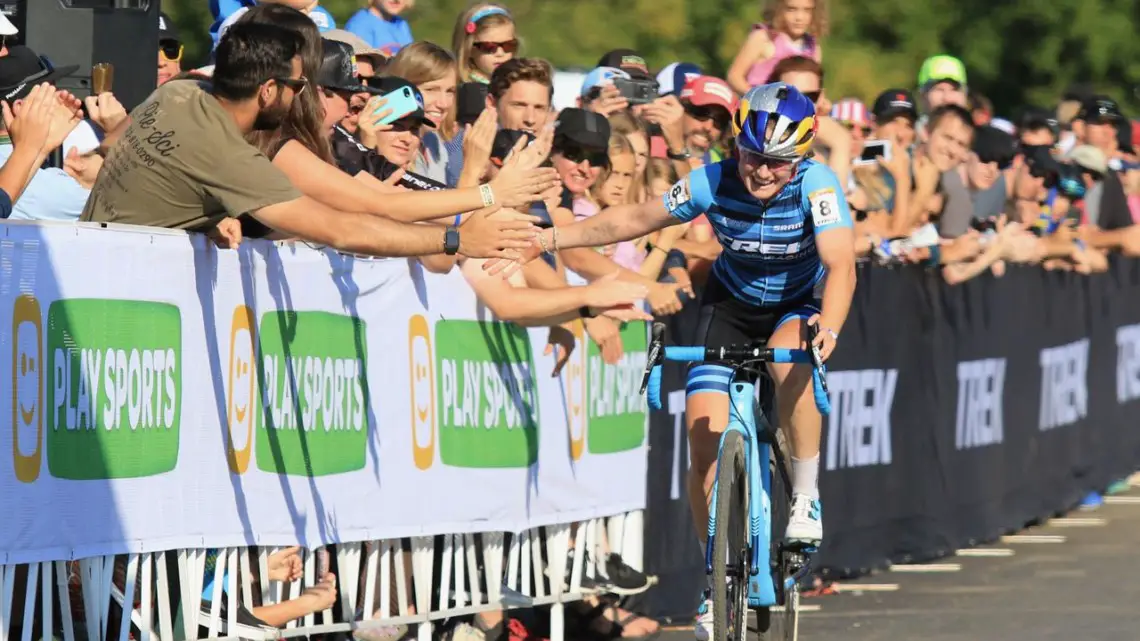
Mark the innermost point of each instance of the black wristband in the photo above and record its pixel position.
(684, 154)
(585, 312)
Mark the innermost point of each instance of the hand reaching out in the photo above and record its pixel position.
(106, 111)
(285, 565)
(480, 138)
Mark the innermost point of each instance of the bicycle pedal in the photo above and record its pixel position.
(802, 547)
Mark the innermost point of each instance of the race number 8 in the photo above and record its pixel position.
(824, 207)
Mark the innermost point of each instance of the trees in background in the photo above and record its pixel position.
(1017, 51)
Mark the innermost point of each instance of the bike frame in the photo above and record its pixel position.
(742, 419)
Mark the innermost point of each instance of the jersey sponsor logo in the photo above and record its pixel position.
(757, 247)
(824, 207)
(979, 416)
(791, 227)
(1064, 384)
(1127, 363)
(678, 195)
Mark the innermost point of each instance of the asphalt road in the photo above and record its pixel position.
(1086, 586)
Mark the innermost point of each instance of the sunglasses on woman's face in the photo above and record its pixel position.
(812, 95)
(489, 47)
(296, 84)
(775, 164)
(576, 154)
(407, 126)
(863, 128)
(171, 50)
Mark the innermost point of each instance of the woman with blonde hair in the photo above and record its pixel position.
(433, 70)
(484, 38)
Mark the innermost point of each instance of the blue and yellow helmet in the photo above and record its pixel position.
(776, 121)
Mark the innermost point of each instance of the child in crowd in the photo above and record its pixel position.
(227, 12)
(381, 26)
(484, 38)
(791, 28)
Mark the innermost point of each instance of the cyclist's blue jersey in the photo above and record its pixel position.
(769, 255)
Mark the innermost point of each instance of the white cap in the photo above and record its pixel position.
(6, 26)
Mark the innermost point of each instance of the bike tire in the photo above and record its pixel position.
(779, 623)
(730, 543)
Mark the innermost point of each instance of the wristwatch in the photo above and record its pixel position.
(684, 154)
(451, 241)
(586, 312)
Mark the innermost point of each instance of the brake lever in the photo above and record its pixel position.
(654, 357)
(816, 356)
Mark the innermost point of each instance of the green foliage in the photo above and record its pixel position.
(1017, 51)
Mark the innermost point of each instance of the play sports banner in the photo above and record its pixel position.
(166, 394)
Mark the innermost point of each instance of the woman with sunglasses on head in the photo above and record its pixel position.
(832, 139)
(434, 72)
(792, 267)
(301, 149)
(484, 38)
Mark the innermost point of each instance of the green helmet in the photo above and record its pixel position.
(941, 68)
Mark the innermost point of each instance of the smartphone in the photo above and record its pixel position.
(402, 102)
(637, 92)
(872, 150)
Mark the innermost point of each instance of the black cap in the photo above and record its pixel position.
(994, 145)
(505, 141)
(628, 61)
(585, 128)
(390, 84)
(22, 69)
(166, 29)
(894, 102)
(1098, 108)
(470, 101)
(1040, 160)
(338, 71)
(1038, 118)
(1124, 136)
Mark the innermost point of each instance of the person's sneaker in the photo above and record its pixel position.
(624, 580)
(703, 626)
(805, 523)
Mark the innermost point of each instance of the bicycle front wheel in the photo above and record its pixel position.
(730, 543)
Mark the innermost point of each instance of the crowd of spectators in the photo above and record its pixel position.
(370, 142)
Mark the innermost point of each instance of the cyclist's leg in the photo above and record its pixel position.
(724, 321)
(802, 424)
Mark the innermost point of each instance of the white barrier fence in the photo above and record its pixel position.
(169, 397)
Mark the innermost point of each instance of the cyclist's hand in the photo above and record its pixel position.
(560, 342)
(605, 334)
(824, 340)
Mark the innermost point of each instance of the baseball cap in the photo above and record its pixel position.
(1088, 157)
(1002, 124)
(850, 111)
(166, 28)
(707, 90)
(892, 103)
(22, 69)
(1098, 108)
(505, 141)
(470, 101)
(359, 46)
(671, 80)
(994, 145)
(599, 77)
(388, 84)
(584, 128)
(338, 70)
(941, 68)
(1039, 118)
(628, 61)
(1124, 128)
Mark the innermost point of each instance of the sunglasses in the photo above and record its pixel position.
(863, 128)
(775, 164)
(704, 113)
(411, 126)
(812, 95)
(486, 46)
(170, 50)
(296, 84)
(576, 154)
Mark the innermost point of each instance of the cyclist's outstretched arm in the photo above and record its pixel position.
(835, 242)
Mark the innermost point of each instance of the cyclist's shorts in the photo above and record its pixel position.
(726, 320)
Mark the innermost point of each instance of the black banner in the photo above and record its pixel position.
(958, 414)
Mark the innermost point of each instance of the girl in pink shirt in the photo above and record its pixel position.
(792, 28)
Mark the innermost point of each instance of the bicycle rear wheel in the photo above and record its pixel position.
(730, 543)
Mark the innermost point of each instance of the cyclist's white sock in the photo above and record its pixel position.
(805, 476)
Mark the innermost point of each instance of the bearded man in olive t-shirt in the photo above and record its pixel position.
(182, 162)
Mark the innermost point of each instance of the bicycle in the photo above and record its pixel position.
(736, 555)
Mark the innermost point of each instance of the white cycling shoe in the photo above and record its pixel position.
(703, 626)
(805, 523)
